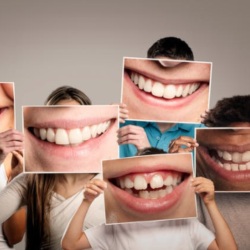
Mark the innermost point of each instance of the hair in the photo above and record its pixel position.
(39, 191)
(67, 93)
(171, 47)
(40, 186)
(150, 151)
(228, 111)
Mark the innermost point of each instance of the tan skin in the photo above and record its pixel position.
(11, 146)
(75, 239)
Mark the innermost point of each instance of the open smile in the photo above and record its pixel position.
(149, 192)
(73, 136)
(167, 93)
(231, 164)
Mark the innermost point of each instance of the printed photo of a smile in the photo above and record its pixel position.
(146, 188)
(224, 157)
(166, 90)
(69, 138)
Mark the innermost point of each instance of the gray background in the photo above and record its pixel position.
(45, 44)
(48, 43)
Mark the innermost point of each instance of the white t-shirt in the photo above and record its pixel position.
(3, 183)
(62, 210)
(173, 234)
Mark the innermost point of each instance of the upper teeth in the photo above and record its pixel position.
(62, 136)
(159, 89)
(235, 161)
(167, 183)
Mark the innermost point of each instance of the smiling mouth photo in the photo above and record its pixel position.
(163, 90)
(75, 136)
(150, 192)
(70, 138)
(231, 165)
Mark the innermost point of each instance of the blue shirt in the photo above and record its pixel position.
(156, 138)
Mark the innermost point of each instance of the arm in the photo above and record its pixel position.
(135, 135)
(224, 239)
(74, 238)
(189, 143)
(14, 227)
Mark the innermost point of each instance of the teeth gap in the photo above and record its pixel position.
(160, 90)
(127, 185)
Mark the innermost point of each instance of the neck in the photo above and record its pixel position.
(73, 178)
(164, 126)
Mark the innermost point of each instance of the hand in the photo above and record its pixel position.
(93, 189)
(135, 135)
(205, 188)
(189, 142)
(10, 140)
(123, 111)
(16, 164)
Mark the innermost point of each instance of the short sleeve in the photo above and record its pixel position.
(201, 236)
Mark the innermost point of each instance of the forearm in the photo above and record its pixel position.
(14, 227)
(223, 234)
(74, 237)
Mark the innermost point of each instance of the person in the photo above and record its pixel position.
(230, 112)
(172, 48)
(174, 234)
(51, 199)
(136, 135)
(11, 164)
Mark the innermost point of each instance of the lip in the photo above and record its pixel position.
(174, 103)
(232, 176)
(139, 205)
(77, 152)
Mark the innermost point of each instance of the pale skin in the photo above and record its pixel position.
(189, 144)
(75, 239)
(11, 146)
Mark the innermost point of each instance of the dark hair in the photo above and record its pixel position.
(67, 93)
(228, 111)
(39, 192)
(150, 151)
(171, 47)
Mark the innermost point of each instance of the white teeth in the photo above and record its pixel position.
(156, 181)
(73, 136)
(50, 135)
(61, 137)
(227, 156)
(158, 89)
(168, 181)
(168, 91)
(246, 156)
(128, 183)
(43, 133)
(140, 183)
(235, 161)
(144, 190)
(86, 134)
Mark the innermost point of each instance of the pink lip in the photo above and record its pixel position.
(71, 153)
(174, 103)
(148, 206)
(239, 176)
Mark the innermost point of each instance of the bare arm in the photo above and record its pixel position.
(74, 237)
(224, 239)
(14, 227)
